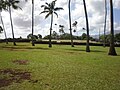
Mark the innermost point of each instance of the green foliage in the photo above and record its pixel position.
(117, 37)
(62, 67)
(34, 37)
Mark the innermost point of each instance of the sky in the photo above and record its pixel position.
(95, 9)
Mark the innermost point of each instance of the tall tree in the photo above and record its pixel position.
(87, 27)
(12, 4)
(32, 22)
(105, 22)
(3, 7)
(50, 9)
(112, 50)
(70, 26)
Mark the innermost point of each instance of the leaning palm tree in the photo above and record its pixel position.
(50, 9)
(12, 3)
(3, 7)
(71, 37)
(105, 23)
(87, 27)
(112, 47)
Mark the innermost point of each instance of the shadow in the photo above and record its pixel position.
(19, 48)
(85, 50)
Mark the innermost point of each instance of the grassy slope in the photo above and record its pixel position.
(63, 67)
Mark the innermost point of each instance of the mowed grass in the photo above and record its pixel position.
(62, 67)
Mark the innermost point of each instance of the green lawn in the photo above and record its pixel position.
(59, 68)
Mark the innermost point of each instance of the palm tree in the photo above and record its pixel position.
(50, 9)
(3, 7)
(87, 27)
(75, 26)
(71, 37)
(112, 47)
(12, 3)
(105, 23)
(32, 22)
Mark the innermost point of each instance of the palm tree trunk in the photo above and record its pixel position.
(33, 22)
(87, 27)
(50, 43)
(70, 25)
(112, 47)
(105, 24)
(12, 25)
(3, 28)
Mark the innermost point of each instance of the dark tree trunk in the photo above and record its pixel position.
(33, 22)
(12, 26)
(112, 47)
(50, 43)
(87, 27)
(4, 28)
(70, 25)
(105, 24)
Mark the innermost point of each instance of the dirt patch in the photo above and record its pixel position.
(21, 62)
(8, 76)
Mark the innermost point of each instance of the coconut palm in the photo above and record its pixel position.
(12, 3)
(32, 22)
(3, 7)
(112, 47)
(105, 22)
(87, 27)
(71, 37)
(50, 9)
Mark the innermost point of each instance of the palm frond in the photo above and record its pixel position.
(43, 6)
(47, 4)
(16, 1)
(47, 15)
(46, 8)
(56, 14)
(58, 8)
(44, 12)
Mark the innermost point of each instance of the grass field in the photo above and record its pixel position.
(62, 67)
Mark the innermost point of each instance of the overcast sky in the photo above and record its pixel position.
(22, 18)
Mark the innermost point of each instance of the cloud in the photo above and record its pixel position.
(22, 18)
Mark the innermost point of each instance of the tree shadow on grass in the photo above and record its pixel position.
(85, 50)
(12, 48)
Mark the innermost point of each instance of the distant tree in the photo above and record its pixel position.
(32, 37)
(50, 9)
(55, 35)
(75, 26)
(112, 50)
(84, 36)
(87, 27)
(39, 36)
(117, 37)
(61, 29)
